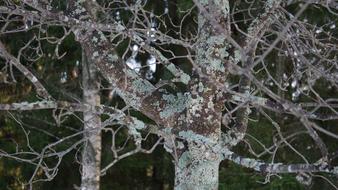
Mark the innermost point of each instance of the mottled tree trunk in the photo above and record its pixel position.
(197, 169)
(91, 156)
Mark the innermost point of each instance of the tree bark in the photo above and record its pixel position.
(91, 156)
(197, 169)
(197, 166)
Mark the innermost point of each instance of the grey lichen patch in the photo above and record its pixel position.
(216, 40)
(272, 3)
(260, 100)
(195, 105)
(264, 21)
(95, 55)
(171, 68)
(156, 104)
(184, 160)
(34, 79)
(129, 98)
(130, 73)
(212, 53)
(119, 27)
(210, 118)
(237, 56)
(211, 104)
(203, 2)
(137, 124)
(79, 10)
(133, 129)
(217, 65)
(201, 175)
(197, 168)
(142, 86)
(192, 136)
(200, 87)
(169, 143)
(65, 19)
(231, 138)
(224, 6)
(335, 170)
(112, 57)
(238, 98)
(185, 78)
(174, 104)
(95, 40)
(23, 104)
(102, 37)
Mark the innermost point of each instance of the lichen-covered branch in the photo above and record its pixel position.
(276, 168)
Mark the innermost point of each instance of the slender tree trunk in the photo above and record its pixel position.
(91, 156)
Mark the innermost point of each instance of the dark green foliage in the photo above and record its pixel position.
(155, 171)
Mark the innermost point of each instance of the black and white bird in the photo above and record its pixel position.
(151, 63)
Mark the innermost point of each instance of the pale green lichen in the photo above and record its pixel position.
(210, 118)
(197, 169)
(102, 36)
(130, 73)
(217, 65)
(171, 68)
(185, 78)
(211, 104)
(94, 40)
(142, 86)
(200, 87)
(272, 3)
(335, 170)
(224, 6)
(156, 104)
(192, 136)
(133, 129)
(195, 105)
(80, 10)
(95, 55)
(137, 124)
(231, 139)
(238, 56)
(120, 28)
(213, 50)
(113, 57)
(174, 104)
(259, 100)
(130, 98)
(238, 98)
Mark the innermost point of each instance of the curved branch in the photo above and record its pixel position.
(40, 89)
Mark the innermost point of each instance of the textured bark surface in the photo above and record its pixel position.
(197, 166)
(91, 156)
(197, 169)
(199, 105)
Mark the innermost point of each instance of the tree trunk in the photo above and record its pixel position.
(197, 169)
(91, 156)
